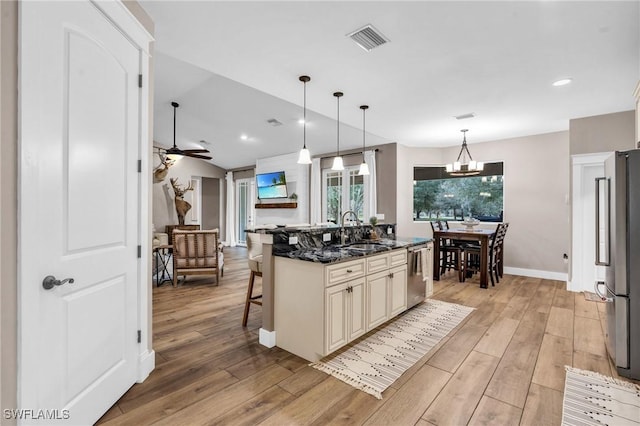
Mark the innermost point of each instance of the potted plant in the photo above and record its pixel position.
(373, 221)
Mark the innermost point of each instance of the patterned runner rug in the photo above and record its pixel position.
(374, 363)
(593, 399)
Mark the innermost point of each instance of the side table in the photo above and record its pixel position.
(163, 256)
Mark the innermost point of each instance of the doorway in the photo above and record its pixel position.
(210, 203)
(245, 195)
(585, 169)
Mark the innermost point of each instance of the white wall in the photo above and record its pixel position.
(297, 176)
(184, 169)
(536, 197)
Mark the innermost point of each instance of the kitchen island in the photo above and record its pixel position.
(326, 294)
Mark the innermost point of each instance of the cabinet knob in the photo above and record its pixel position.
(349, 271)
(391, 275)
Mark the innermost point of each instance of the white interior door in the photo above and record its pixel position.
(79, 209)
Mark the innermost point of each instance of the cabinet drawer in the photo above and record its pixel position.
(377, 263)
(398, 257)
(341, 272)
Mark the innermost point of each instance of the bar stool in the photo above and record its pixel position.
(254, 251)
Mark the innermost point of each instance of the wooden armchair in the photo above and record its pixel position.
(196, 253)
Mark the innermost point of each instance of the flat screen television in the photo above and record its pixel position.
(271, 185)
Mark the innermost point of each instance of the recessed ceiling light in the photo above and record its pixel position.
(301, 121)
(562, 82)
(244, 137)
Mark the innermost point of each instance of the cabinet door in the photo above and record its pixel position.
(335, 317)
(376, 295)
(355, 301)
(397, 290)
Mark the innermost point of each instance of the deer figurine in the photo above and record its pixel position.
(160, 172)
(182, 206)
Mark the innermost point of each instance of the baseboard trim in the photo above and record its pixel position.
(535, 273)
(146, 364)
(267, 338)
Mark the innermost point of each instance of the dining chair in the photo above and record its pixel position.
(451, 254)
(472, 255)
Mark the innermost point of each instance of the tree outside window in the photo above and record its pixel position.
(437, 196)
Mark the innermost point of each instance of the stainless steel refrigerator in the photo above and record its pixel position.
(618, 250)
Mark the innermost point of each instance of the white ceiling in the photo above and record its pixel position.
(234, 65)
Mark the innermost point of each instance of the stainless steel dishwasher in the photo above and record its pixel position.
(416, 287)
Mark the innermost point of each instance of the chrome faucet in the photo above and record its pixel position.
(343, 235)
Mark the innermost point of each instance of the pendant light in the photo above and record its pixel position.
(304, 157)
(364, 167)
(337, 162)
(465, 165)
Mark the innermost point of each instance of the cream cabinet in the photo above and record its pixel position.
(344, 314)
(386, 295)
(319, 308)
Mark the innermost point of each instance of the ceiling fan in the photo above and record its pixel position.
(174, 150)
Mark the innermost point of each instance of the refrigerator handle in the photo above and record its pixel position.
(603, 297)
(599, 260)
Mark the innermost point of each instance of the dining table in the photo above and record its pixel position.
(482, 236)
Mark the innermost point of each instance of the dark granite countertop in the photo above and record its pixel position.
(339, 253)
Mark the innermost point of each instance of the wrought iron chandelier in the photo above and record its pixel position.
(465, 165)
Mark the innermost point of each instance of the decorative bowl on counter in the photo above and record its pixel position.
(469, 223)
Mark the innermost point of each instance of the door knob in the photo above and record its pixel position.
(50, 281)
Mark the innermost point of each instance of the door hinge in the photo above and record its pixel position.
(139, 252)
(139, 166)
(140, 80)
(139, 336)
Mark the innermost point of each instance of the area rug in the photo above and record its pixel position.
(594, 399)
(592, 297)
(374, 363)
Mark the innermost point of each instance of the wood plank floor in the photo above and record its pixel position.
(503, 366)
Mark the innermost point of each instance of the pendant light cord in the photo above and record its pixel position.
(364, 109)
(304, 116)
(338, 125)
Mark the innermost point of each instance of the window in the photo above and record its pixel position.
(341, 191)
(436, 195)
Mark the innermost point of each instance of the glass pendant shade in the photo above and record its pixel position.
(337, 164)
(305, 155)
(364, 169)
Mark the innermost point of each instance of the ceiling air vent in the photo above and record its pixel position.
(274, 122)
(464, 116)
(368, 37)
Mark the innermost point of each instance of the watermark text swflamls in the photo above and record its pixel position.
(41, 414)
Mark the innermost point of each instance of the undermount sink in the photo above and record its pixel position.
(363, 246)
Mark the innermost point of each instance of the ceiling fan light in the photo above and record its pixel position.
(337, 164)
(364, 169)
(304, 157)
(174, 156)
